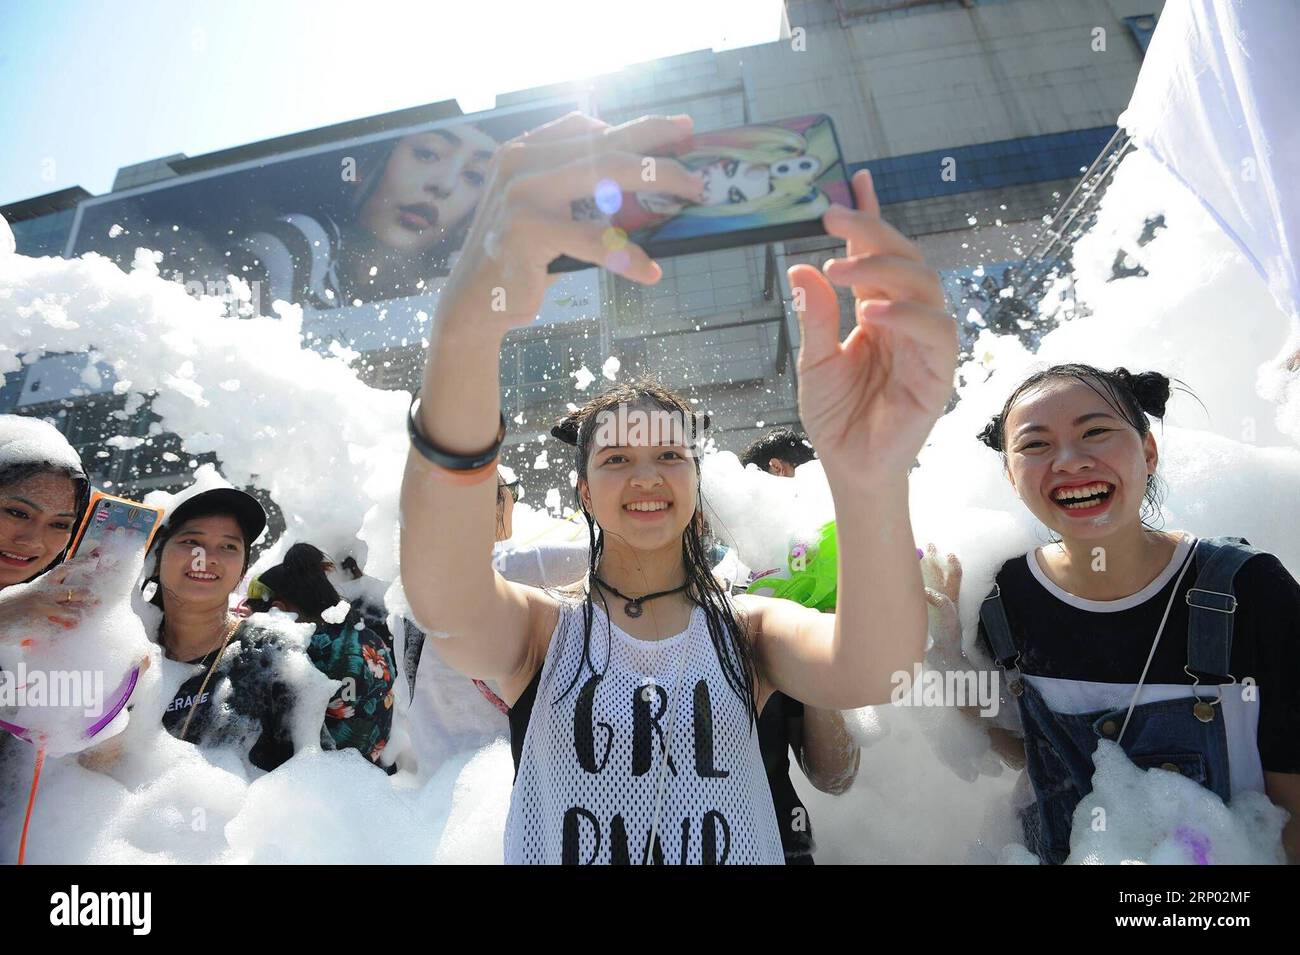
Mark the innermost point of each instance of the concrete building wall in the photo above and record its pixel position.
(932, 77)
(905, 88)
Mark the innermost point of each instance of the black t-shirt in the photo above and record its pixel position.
(1100, 645)
(258, 701)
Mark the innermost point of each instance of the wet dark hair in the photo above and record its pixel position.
(727, 630)
(300, 579)
(18, 472)
(784, 443)
(1135, 398)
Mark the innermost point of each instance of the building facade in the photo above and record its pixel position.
(975, 117)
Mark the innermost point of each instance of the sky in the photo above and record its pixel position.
(87, 87)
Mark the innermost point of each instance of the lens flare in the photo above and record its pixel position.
(614, 239)
(609, 197)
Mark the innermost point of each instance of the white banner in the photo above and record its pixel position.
(1216, 104)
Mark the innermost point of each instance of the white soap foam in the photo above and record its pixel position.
(929, 788)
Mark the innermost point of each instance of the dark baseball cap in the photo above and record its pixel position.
(243, 507)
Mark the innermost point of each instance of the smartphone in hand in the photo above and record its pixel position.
(107, 514)
(764, 183)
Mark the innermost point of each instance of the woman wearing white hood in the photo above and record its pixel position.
(43, 494)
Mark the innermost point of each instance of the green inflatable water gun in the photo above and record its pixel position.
(813, 572)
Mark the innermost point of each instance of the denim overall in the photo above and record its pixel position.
(1167, 734)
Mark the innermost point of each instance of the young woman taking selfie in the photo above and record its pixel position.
(638, 743)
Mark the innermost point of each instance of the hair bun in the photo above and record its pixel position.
(566, 430)
(700, 423)
(992, 433)
(1150, 388)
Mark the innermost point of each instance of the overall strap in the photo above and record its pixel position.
(993, 615)
(1212, 603)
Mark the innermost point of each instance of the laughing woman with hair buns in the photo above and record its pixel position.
(1184, 651)
(633, 708)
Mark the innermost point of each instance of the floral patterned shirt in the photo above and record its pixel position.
(360, 715)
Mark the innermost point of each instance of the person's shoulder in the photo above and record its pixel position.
(749, 607)
(1265, 565)
(1260, 567)
(570, 598)
(787, 706)
(756, 614)
(553, 611)
(1012, 574)
(1014, 584)
(1265, 576)
(262, 631)
(1268, 597)
(1268, 610)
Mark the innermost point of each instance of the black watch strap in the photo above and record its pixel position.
(444, 459)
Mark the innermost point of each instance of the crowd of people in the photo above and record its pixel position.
(652, 705)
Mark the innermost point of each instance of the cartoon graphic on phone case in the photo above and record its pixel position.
(763, 183)
(755, 176)
(107, 514)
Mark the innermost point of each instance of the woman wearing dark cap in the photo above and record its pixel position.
(360, 714)
(201, 553)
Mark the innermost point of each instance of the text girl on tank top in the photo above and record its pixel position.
(1125, 633)
(642, 724)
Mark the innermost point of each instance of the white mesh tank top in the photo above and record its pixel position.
(588, 774)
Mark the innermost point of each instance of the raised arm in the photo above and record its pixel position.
(491, 627)
(868, 404)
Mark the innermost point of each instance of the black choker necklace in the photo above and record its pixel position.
(633, 606)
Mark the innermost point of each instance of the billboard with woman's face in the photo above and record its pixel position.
(428, 186)
(360, 233)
